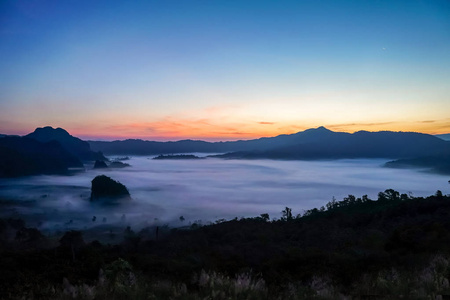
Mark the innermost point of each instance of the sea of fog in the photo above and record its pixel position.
(204, 189)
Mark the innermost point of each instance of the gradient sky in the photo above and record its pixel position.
(223, 70)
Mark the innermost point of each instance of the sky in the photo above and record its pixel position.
(223, 70)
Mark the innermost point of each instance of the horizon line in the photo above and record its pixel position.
(103, 138)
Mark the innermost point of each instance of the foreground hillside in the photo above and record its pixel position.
(394, 246)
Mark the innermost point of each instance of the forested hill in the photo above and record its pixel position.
(318, 143)
(394, 247)
(436, 163)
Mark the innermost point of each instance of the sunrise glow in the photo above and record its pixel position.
(220, 71)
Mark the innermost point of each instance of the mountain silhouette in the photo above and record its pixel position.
(74, 145)
(316, 143)
(53, 151)
(20, 156)
(361, 144)
(141, 147)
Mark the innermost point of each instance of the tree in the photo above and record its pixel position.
(365, 198)
(392, 195)
(287, 214)
(349, 200)
(73, 240)
(389, 195)
(265, 217)
(404, 197)
(311, 212)
(332, 204)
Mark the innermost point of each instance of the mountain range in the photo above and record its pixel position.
(53, 151)
(317, 143)
(407, 149)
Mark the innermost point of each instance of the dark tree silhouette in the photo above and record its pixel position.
(265, 217)
(389, 195)
(287, 214)
(73, 240)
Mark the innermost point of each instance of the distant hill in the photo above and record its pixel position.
(445, 137)
(436, 163)
(318, 143)
(7, 135)
(21, 156)
(181, 156)
(74, 145)
(140, 147)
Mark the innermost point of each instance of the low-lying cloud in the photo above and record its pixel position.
(209, 189)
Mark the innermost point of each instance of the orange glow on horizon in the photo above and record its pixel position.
(203, 129)
(173, 129)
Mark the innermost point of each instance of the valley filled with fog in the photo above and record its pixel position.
(204, 189)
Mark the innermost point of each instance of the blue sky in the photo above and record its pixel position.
(223, 69)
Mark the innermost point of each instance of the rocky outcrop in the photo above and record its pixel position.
(106, 190)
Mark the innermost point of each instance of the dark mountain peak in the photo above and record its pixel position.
(361, 132)
(319, 129)
(315, 133)
(74, 145)
(322, 128)
(48, 133)
(51, 129)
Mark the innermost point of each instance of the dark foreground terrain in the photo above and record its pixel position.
(357, 248)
